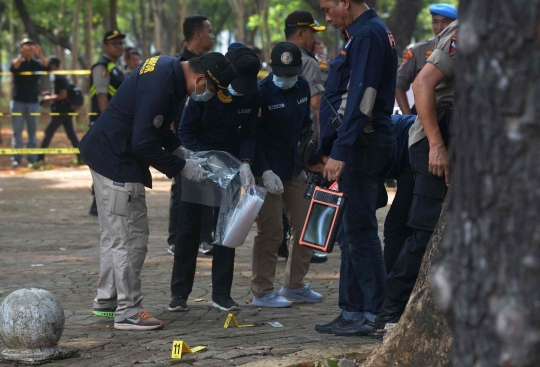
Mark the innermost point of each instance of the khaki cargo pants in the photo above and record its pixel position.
(124, 237)
(270, 235)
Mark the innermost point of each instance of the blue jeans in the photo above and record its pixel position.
(362, 272)
(17, 124)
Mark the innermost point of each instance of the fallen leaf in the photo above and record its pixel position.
(34, 265)
(135, 362)
(62, 249)
(259, 309)
(238, 347)
(198, 300)
(92, 273)
(248, 302)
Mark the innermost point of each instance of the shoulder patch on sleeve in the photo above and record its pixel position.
(453, 44)
(158, 121)
(409, 55)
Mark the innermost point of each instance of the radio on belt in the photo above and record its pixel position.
(323, 218)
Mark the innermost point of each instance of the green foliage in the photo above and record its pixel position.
(331, 363)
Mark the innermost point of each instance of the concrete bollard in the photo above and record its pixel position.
(31, 324)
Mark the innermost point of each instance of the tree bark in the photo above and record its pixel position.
(239, 8)
(75, 36)
(421, 338)
(182, 12)
(88, 33)
(402, 22)
(157, 25)
(487, 278)
(113, 9)
(145, 45)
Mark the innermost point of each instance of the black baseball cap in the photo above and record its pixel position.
(247, 64)
(26, 41)
(303, 18)
(285, 59)
(115, 33)
(220, 72)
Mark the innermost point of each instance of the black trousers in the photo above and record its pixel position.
(208, 215)
(54, 124)
(429, 193)
(190, 222)
(396, 230)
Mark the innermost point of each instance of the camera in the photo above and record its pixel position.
(313, 180)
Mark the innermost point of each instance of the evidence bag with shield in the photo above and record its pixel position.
(323, 218)
(238, 205)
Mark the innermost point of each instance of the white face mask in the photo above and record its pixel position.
(284, 83)
(205, 96)
(233, 92)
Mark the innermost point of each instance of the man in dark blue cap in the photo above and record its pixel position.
(229, 127)
(416, 57)
(132, 134)
(285, 122)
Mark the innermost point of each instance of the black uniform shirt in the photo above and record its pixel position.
(135, 127)
(26, 87)
(61, 83)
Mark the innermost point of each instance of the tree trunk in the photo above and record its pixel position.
(402, 22)
(239, 7)
(421, 338)
(145, 45)
(88, 33)
(29, 26)
(487, 278)
(182, 11)
(75, 36)
(113, 9)
(157, 25)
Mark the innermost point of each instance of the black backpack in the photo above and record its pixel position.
(75, 96)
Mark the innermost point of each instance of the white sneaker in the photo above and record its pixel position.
(271, 300)
(304, 294)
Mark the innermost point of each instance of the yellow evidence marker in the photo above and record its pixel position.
(179, 347)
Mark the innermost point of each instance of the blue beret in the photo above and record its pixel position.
(445, 10)
(235, 44)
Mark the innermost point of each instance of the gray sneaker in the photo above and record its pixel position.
(271, 300)
(303, 294)
(141, 321)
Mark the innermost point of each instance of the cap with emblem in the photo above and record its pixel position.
(286, 59)
(220, 72)
(26, 41)
(115, 33)
(445, 10)
(247, 63)
(303, 18)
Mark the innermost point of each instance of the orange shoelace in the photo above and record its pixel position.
(144, 315)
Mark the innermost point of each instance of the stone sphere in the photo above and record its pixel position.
(31, 318)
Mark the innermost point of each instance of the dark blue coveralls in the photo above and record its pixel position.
(211, 125)
(362, 82)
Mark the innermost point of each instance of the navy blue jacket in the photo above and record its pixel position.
(130, 135)
(228, 127)
(362, 81)
(402, 124)
(285, 120)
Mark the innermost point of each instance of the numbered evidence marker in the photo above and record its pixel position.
(179, 347)
(231, 317)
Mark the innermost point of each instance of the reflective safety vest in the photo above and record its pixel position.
(116, 79)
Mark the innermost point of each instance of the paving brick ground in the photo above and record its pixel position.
(47, 240)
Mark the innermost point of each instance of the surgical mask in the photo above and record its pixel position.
(207, 95)
(233, 92)
(285, 83)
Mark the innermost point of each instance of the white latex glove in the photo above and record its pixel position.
(272, 182)
(246, 177)
(193, 171)
(182, 152)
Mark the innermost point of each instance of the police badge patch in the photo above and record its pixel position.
(158, 121)
(286, 58)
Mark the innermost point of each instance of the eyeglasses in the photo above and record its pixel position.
(116, 44)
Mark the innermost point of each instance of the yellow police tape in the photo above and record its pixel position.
(57, 72)
(11, 151)
(49, 114)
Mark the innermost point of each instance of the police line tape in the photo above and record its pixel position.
(12, 151)
(57, 72)
(48, 114)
